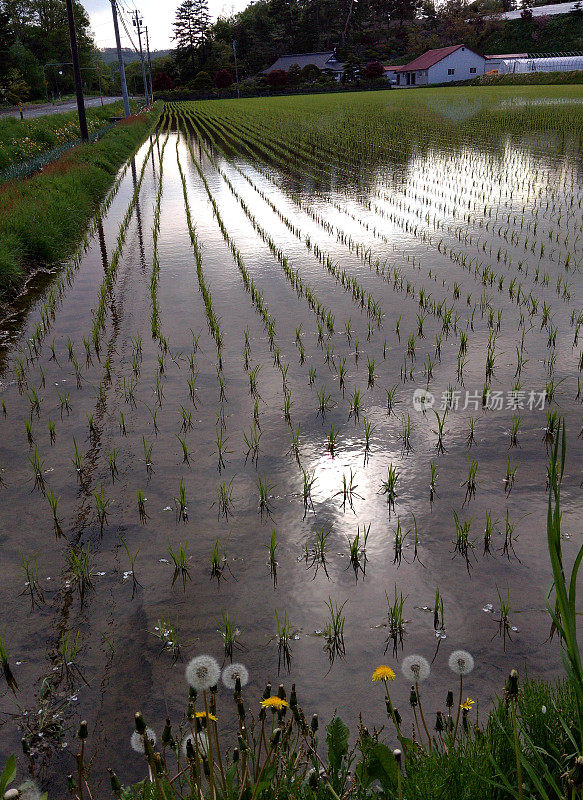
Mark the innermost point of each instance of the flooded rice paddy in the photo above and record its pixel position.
(309, 362)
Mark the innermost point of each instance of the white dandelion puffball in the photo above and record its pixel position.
(201, 741)
(415, 668)
(234, 671)
(137, 740)
(461, 662)
(26, 791)
(203, 672)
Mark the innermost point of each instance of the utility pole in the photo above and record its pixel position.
(236, 68)
(138, 26)
(122, 70)
(77, 73)
(149, 66)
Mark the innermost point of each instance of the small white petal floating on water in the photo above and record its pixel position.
(488, 608)
(163, 561)
(167, 508)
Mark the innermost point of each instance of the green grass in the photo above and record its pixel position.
(21, 140)
(43, 218)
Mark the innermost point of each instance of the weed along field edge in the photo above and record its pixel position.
(303, 403)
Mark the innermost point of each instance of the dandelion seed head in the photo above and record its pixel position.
(461, 662)
(234, 671)
(202, 672)
(137, 740)
(415, 668)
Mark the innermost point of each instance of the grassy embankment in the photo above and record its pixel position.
(42, 218)
(21, 140)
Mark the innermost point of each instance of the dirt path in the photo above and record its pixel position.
(57, 108)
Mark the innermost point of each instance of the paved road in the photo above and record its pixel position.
(41, 110)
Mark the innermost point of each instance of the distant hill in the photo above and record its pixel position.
(129, 55)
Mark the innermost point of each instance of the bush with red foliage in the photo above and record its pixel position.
(162, 82)
(373, 71)
(277, 77)
(223, 79)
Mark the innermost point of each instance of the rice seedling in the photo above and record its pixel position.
(471, 482)
(405, 434)
(221, 445)
(67, 652)
(354, 404)
(32, 587)
(181, 562)
(440, 430)
(334, 631)
(515, 424)
(186, 417)
(131, 573)
(463, 544)
(29, 431)
(102, 505)
(392, 399)
(79, 566)
(490, 528)
(287, 404)
(225, 498)
(368, 431)
(315, 552)
(312, 375)
(505, 627)
(348, 491)
(370, 364)
(230, 634)
(77, 458)
(357, 549)
(389, 486)
(324, 401)
(283, 637)
(141, 499)
(122, 423)
(271, 549)
(309, 480)
(180, 503)
(65, 402)
(112, 462)
(265, 490)
(510, 475)
(37, 465)
(433, 482)
(54, 505)
(395, 622)
(294, 448)
(438, 613)
(332, 436)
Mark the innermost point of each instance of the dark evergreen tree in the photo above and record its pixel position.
(191, 33)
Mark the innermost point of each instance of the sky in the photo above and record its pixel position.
(158, 15)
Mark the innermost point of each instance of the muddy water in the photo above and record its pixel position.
(119, 664)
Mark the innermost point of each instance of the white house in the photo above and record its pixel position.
(456, 63)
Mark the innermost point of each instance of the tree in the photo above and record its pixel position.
(191, 31)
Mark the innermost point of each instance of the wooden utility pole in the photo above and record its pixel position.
(77, 73)
(122, 70)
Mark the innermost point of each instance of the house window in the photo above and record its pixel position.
(451, 72)
(472, 70)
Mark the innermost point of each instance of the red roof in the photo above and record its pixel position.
(392, 69)
(430, 58)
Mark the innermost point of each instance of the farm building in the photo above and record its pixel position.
(456, 63)
(544, 62)
(324, 61)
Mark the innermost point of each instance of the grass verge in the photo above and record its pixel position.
(21, 140)
(43, 217)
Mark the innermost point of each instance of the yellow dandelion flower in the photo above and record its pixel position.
(276, 703)
(383, 673)
(204, 715)
(467, 706)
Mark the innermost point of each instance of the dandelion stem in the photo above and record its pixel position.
(459, 707)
